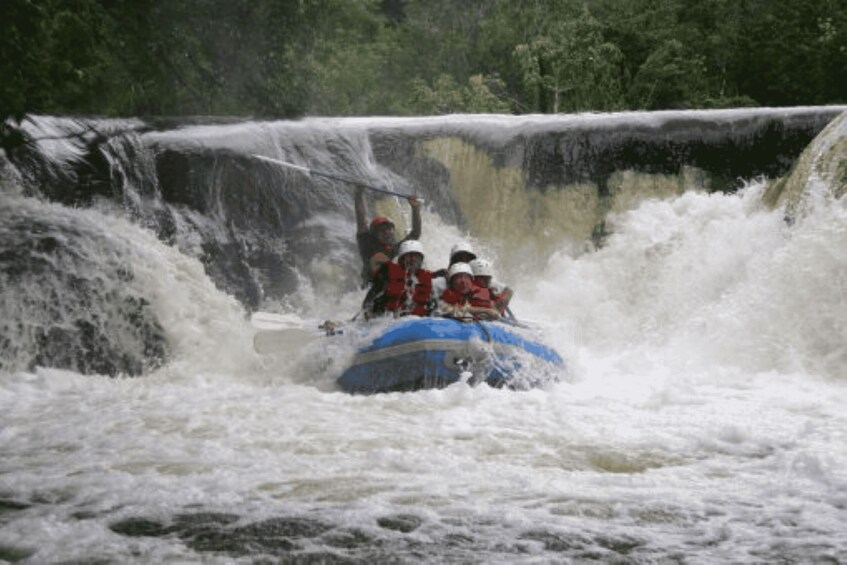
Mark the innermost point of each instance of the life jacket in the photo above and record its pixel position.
(479, 297)
(407, 293)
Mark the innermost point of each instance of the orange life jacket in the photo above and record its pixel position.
(404, 294)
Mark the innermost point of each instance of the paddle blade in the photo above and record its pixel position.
(286, 340)
(271, 321)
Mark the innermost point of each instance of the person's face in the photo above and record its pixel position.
(462, 257)
(385, 234)
(411, 261)
(461, 283)
(482, 281)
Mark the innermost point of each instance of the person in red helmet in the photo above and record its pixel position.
(464, 299)
(403, 287)
(377, 241)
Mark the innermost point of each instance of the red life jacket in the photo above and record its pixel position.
(402, 297)
(479, 297)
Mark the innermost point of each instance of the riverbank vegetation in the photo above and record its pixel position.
(289, 58)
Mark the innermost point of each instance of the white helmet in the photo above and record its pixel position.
(461, 247)
(482, 268)
(410, 246)
(457, 268)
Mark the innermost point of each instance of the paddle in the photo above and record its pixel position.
(283, 340)
(333, 176)
(510, 318)
(280, 333)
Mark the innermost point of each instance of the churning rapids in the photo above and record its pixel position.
(700, 307)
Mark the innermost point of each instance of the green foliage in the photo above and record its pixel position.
(794, 52)
(445, 96)
(671, 77)
(20, 32)
(50, 55)
(571, 68)
(480, 98)
(285, 58)
(346, 59)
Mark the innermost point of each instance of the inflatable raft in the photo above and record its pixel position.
(416, 353)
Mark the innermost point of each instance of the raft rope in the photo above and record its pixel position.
(484, 330)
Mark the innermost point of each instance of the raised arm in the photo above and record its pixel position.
(361, 216)
(377, 260)
(416, 218)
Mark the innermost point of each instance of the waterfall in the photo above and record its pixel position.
(523, 185)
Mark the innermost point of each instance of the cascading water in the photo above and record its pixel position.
(700, 419)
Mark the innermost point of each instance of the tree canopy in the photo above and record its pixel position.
(288, 58)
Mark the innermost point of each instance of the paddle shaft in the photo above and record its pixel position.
(333, 176)
(512, 319)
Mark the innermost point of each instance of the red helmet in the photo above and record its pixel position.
(380, 221)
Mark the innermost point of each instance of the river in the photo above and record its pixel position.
(699, 419)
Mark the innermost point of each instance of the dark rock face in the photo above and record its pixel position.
(730, 145)
(744, 149)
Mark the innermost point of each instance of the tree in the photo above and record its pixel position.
(671, 77)
(446, 96)
(793, 52)
(286, 58)
(571, 68)
(348, 57)
(52, 59)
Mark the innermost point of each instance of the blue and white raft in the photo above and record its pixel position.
(416, 353)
